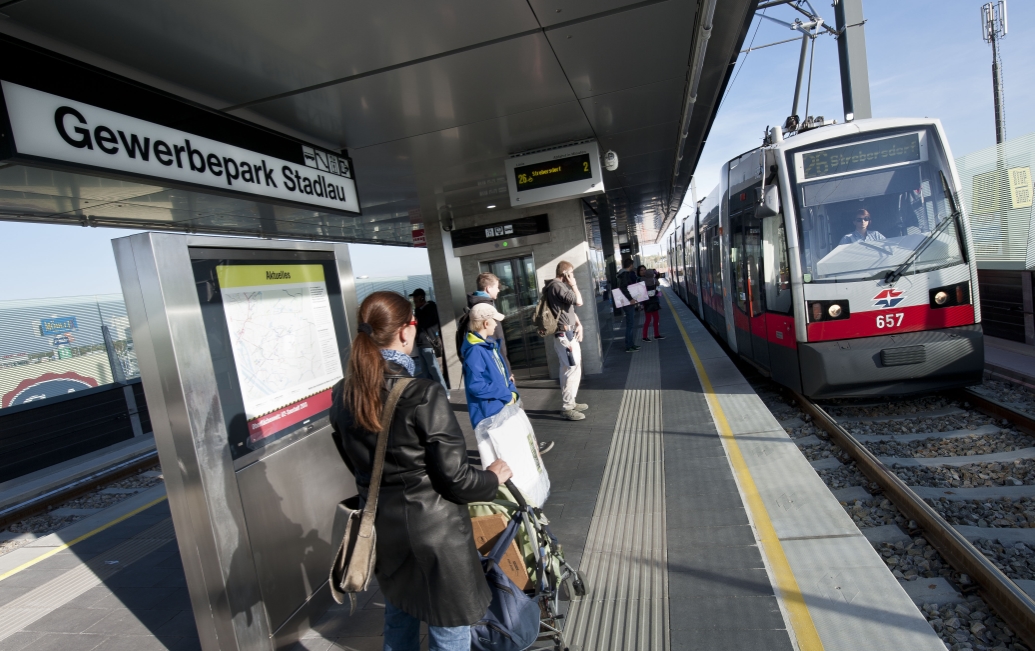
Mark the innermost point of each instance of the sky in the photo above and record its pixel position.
(48, 260)
(925, 58)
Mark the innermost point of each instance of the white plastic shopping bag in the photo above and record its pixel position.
(638, 291)
(620, 299)
(509, 436)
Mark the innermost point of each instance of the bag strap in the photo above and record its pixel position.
(366, 523)
(508, 535)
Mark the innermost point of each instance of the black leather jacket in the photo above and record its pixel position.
(427, 564)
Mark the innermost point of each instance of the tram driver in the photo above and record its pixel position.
(862, 232)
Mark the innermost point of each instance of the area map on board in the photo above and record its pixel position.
(283, 341)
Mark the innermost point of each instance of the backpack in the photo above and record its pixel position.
(544, 319)
(461, 332)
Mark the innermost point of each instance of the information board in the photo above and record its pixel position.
(553, 172)
(283, 341)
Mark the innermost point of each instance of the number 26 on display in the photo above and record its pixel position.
(890, 320)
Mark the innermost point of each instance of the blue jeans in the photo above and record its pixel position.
(428, 368)
(402, 633)
(630, 325)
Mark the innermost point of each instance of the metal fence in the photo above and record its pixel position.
(54, 346)
(997, 189)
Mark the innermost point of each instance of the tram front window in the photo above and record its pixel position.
(876, 205)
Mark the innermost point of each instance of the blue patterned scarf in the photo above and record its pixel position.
(402, 359)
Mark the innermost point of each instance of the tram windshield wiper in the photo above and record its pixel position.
(892, 276)
(895, 274)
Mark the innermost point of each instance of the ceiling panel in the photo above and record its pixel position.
(654, 161)
(551, 12)
(508, 77)
(630, 48)
(636, 107)
(241, 50)
(641, 141)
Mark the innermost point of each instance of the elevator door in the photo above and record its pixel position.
(516, 301)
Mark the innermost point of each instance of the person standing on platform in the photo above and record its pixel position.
(429, 339)
(627, 276)
(428, 567)
(488, 289)
(562, 297)
(652, 308)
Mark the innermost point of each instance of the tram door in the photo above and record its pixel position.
(754, 278)
(516, 301)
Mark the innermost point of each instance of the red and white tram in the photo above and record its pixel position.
(839, 261)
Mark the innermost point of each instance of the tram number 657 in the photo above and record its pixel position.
(890, 320)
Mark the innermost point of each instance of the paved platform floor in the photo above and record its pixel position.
(654, 497)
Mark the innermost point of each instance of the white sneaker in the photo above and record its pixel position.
(571, 414)
(580, 406)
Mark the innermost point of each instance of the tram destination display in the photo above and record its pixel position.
(861, 156)
(554, 174)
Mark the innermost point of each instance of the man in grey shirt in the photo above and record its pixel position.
(562, 296)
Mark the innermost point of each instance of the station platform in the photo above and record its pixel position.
(1009, 361)
(696, 520)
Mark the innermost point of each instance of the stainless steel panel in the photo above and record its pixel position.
(240, 51)
(626, 49)
(214, 514)
(507, 77)
(551, 12)
(290, 520)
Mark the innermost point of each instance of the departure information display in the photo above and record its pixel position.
(553, 172)
(860, 156)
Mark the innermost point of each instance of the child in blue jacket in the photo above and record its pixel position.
(486, 381)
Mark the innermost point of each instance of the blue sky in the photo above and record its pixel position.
(926, 58)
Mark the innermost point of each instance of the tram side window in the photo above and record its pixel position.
(777, 265)
(715, 253)
(737, 262)
(691, 270)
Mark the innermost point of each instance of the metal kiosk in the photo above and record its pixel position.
(239, 343)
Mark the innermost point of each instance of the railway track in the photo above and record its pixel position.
(100, 489)
(944, 487)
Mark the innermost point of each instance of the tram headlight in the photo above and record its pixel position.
(950, 295)
(828, 311)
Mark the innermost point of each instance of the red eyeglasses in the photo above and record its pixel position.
(412, 322)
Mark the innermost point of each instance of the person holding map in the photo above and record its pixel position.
(428, 567)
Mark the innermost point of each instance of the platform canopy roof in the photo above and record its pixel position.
(427, 97)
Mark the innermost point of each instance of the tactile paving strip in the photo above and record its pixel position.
(26, 609)
(626, 561)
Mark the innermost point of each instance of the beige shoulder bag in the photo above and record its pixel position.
(354, 562)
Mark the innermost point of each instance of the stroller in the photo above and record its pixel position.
(544, 560)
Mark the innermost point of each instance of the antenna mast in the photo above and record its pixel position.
(993, 27)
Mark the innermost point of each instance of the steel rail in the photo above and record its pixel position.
(62, 493)
(1011, 603)
(1024, 422)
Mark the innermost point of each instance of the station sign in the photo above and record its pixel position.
(554, 174)
(48, 127)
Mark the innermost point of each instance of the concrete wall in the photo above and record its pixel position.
(568, 242)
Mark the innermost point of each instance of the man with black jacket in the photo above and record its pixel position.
(429, 339)
(628, 277)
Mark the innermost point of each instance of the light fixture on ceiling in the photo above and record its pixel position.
(491, 206)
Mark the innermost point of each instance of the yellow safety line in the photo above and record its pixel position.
(81, 538)
(797, 609)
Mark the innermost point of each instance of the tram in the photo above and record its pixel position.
(839, 261)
